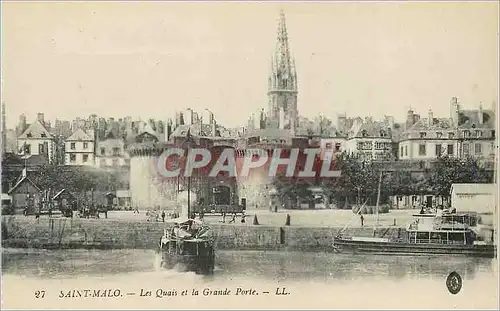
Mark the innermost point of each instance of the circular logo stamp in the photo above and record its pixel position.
(454, 283)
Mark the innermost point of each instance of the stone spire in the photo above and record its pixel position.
(283, 81)
(283, 75)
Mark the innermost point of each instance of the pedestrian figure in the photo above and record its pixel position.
(362, 220)
(223, 217)
(233, 219)
(163, 216)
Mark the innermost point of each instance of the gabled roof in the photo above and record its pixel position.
(22, 180)
(36, 130)
(370, 128)
(473, 188)
(61, 193)
(80, 135)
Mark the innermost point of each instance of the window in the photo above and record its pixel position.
(328, 146)
(337, 147)
(477, 148)
(466, 133)
(423, 134)
(103, 151)
(479, 133)
(73, 146)
(401, 152)
(85, 145)
(466, 149)
(43, 135)
(115, 162)
(41, 149)
(451, 135)
(493, 133)
(449, 149)
(29, 135)
(72, 157)
(379, 146)
(85, 158)
(438, 149)
(406, 151)
(439, 135)
(116, 151)
(421, 150)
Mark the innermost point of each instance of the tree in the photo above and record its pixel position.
(448, 170)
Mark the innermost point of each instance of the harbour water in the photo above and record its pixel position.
(280, 280)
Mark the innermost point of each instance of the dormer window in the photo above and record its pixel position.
(43, 135)
(451, 135)
(439, 135)
(364, 133)
(423, 134)
(29, 135)
(479, 133)
(382, 133)
(466, 133)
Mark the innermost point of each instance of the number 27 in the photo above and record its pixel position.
(39, 294)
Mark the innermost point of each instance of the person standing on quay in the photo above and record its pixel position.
(362, 219)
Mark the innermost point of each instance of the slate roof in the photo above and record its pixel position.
(36, 130)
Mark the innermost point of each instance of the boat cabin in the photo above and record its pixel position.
(441, 229)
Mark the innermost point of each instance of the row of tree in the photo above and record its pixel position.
(359, 181)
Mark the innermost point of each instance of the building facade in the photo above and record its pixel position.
(80, 148)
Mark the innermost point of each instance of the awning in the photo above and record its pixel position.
(5, 196)
(122, 194)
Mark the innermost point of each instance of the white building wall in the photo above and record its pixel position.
(80, 151)
(34, 146)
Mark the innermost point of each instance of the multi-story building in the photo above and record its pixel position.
(79, 148)
(36, 140)
(110, 152)
(370, 140)
(464, 133)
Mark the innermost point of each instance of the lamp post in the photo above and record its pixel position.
(187, 145)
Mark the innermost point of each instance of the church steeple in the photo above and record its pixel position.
(283, 76)
(283, 80)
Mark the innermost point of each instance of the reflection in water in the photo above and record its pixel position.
(277, 266)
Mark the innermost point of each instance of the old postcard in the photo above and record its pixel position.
(249, 155)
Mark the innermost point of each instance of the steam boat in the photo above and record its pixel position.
(188, 244)
(438, 233)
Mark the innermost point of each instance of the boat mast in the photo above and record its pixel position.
(378, 197)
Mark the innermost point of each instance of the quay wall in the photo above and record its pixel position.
(108, 234)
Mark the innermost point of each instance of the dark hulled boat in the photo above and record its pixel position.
(428, 234)
(188, 244)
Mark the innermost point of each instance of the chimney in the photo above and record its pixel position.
(214, 129)
(410, 119)
(454, 110)
(430, 117)
(40, 118)
(480, 113)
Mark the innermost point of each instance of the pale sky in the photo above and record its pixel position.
(151, 59)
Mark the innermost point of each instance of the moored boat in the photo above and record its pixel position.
(189, 245)
(438, 233)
